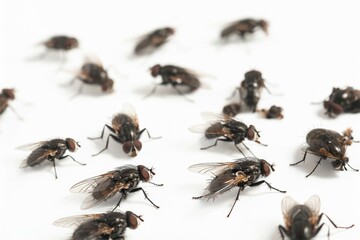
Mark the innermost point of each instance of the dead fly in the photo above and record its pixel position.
(110, 225)
(125, 130)
(274, 112)
(243, 27)
(95, 74)
(241, 173)
(302, 220)
(226, 129)
(328, 144)
(342, 101)
(176, 77)
(123, 180)
(153, 40)
(49, 150)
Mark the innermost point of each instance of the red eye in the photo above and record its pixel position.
(155, 70)
(265, 168)
(250, 134)
(144, 173)
(71, 144)
(132, 220)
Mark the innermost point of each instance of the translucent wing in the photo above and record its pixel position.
(314, 204)
(74, 221)
(211, 168)
(199, 128)
(224, 182)
(37, 156)
(100, 187)
(287, 204)
(129, 110)
(211, 117)
(31, 146)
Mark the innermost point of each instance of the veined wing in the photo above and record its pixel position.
(74, 221)
(211, 168)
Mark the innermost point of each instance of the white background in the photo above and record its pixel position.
(311, 47)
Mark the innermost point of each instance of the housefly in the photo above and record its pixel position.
(328, 144)
(123, 180)
(176, 77)
(342, 101)
(125, 130)
(153, 40)
(274, 112)
(241, 173)
(94, 74)
(244, 26)
(302, 220)
(62, 43)
(227, 129)
(6, 95)
(49, 150)
(110, 225)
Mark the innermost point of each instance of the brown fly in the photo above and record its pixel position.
(244, 27)
(329, 144)
(241, 173)
(125, 130)
(153, 40)
(226, 129)
(302, 220)
(105, 226)
(123, 180)
(274, 112)
(176, 77)
(49, 150)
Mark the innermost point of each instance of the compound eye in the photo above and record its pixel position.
(145, 174)
(266, 168)
(155, 70)
(251, 134)
(132, 220)
(71, 144)
(127, 146)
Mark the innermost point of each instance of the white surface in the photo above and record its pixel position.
(311, 47)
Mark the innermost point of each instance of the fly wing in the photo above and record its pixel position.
(100, 188)
(212, 169)
(37, 156)
(74, 221)
(211, 117)
(31, 146)
(144, 43)
(314, 204)
(224, 182)
(129, 110)
(287, 204)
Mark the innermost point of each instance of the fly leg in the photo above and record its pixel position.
(218, 139)
(62, 157)
(118, 203)
(107, 144)
(237, 198)
(317, 164)
(268, 184)
(138, 189)
(303, 160)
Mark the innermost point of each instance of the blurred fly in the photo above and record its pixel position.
(329, 144)
(6, 95)
(62, 43)
(274, 112)
(227, 129)
(176, 77)
(49, 150)
(123, 180)
(125, 130)
(342, 101)
(244, 27)
(152, 41)
(302, 220)
(105, 226)
(94, 74)
(241, 173)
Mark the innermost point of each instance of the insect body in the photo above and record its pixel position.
(227, 129)
(328, 144)
(302, 220)
(64, 43)
(342, 101)
(125, 129)
(241, 173)
(106, 226)
(153, 40)
(123, 180)
(49, 150)
(95, 74)
(274, 112)
(176, 77)
(6, 95)
(243, 27)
